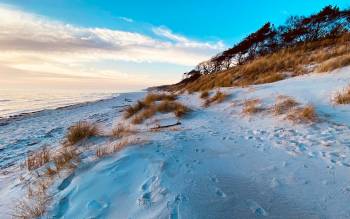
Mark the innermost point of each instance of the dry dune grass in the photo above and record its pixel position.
(219, 97)
(334, 63)
(323, 55)
(46, 165)
(116, 147)
(165, 106)
(204, 95)
(155, 103)
(122, 130)
(80, 131)
(132, 110)
(306, 114)
(149, 100)
(51, 164)
(67, 157)
(343, 97)
(252, 106)
(284, 104)
(34, 205)
(38, 159)
(152, 97)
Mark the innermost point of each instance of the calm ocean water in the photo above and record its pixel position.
(14, 102)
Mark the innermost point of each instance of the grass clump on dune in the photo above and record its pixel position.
(284, 104)
(122, 130)
(343, 97)
(204, 95)
(147, 102)
(38, 159)
(155, 103)
(306, 114)
(219, 97)
(80, 131)
(166, 106)
(252, 106)
(334, 63)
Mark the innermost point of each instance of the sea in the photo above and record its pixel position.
(15, 101)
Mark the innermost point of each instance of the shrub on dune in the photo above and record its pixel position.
(343, 97)
(121, 131)
(204, 95)
(284, 104)
(38, 159)
(334, 63)
(252, 106)
(80, 131)
(219, 97)
(305, 114)
(165, 106)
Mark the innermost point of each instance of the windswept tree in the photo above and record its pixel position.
(330, 22)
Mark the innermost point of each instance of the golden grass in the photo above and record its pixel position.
(219, 97)
(152, 97)
(204, 95)
(334, 63)
(306, 114)
(147, 102)
(37, 199)
(116, 147)
(269, 78)
(343, 97)
(284, 104)
(67, 158)
(122, 130)
(38, 159)
(35, 204)
(252, 106)
(164, 106)
(80, 131)
(132, 110)
(301, 59)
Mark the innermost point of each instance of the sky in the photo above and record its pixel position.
(125, 45)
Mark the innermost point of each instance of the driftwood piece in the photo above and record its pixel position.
(165, 126)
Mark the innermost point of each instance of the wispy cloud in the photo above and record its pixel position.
(185, 42)
(36, 43)
(126, 19)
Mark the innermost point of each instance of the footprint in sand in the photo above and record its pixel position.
(256, 208)
(220, 193)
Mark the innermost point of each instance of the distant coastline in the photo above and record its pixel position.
(4, 120)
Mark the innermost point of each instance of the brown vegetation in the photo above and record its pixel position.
(121, 131)
(219, 97)
(343, 97)
(284, 104)
(334, 63)
(35, 204)
(38, 159)
(252, 106)
(305, 114)
(165, 106)
(81, 130)
(116, 147)
(322, 55)
(204, 95)
(132, 110)
(146, 102)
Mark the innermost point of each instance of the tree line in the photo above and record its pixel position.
(330, 22)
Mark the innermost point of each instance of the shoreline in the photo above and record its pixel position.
(20, 116)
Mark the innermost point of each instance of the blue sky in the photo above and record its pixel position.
(135, 43)
(228, 20)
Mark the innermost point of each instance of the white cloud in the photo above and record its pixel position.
(126, 19)
(37, 43)
(185, 42)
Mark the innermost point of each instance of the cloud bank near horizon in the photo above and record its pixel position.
(34, 43)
